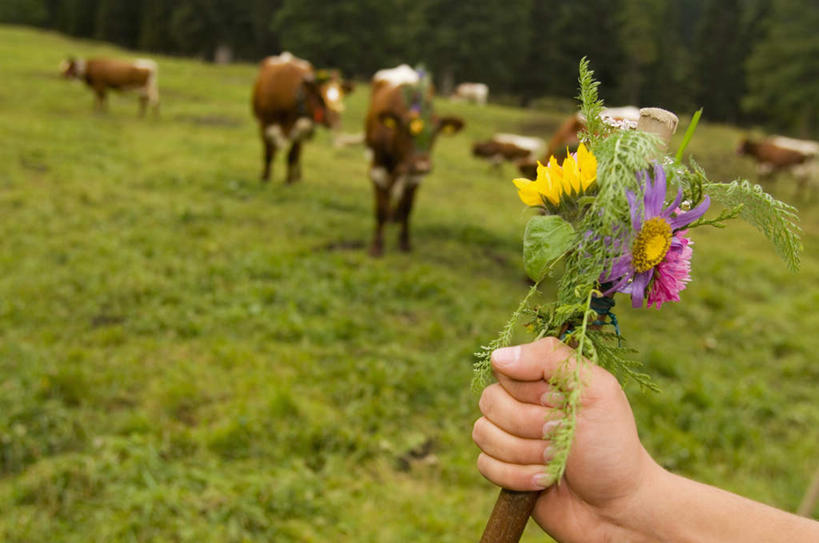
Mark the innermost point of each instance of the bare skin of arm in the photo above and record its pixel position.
(612, 489)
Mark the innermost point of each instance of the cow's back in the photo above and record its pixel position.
(278, 87)
(103, 72)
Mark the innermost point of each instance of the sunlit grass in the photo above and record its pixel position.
(186, 354)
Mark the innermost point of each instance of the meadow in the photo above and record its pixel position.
(187, 354)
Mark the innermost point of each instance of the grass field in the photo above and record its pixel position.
(189, 355)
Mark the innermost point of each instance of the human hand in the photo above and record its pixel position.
(607, 469)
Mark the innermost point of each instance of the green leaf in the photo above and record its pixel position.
(689, 133)
(546, 239)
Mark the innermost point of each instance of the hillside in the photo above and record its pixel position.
(189, 355)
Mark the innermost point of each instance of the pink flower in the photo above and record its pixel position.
(673, 273)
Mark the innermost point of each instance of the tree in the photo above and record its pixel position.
(353, 36)
(720, 51)
(155, 27)
(74, 17)
(561, 33)
(31, 12)
(783, 67)
(118, 21)
(643, 27)
(475, 41)
(668, 83)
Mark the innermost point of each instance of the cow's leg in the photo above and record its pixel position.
(381, 189)
(143, 105)
(294, 162)
(801, 185)
(99, 103)
(269, 151)
(403, 213)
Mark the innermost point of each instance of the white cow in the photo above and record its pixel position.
(476, 93)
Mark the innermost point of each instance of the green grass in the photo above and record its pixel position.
(189, 355)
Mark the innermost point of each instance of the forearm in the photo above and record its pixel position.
(676, 509)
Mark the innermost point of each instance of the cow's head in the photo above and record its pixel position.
(72, 67)
(326, 91)
(746, 147)
(415, 129)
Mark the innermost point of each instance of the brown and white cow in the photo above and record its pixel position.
(778, 154)
(477, 93)
(564, 139)
(509, 147)
(401, 128)
(567, 137)
(289, 99)
(102, 74)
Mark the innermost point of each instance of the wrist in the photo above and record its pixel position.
(639, 516)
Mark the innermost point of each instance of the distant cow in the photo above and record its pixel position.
(476, 93)
(401, 128)
(289, 99)
(102, 74)
(777, 154)
(567, 137)
(509, 147)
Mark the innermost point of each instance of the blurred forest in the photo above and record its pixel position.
(743, 61)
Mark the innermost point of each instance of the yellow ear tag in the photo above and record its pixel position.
(416, 126)
(449, 129)
(389, 122)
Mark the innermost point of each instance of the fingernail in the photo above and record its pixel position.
(542, 480)
(552, 399)
(506, 356)
(550, 427)
(548, 453)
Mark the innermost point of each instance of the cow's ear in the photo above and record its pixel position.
(388, 119)
(347, 86)
(450, 125)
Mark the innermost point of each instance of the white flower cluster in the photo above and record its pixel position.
(619, 123)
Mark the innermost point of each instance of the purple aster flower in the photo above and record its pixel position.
(658, 259)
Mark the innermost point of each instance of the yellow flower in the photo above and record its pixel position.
(415, 126)
(572, 178)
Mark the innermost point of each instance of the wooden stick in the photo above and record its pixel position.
(509, 516)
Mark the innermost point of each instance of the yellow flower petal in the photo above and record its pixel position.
(527, 191)
(548, 186)
(554, 170)
(571, 175)
(588, 166)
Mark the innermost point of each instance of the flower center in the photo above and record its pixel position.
(651, 245)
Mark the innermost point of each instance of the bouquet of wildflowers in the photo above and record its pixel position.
(617, 218)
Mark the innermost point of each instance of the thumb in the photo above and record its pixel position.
(533, 361)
